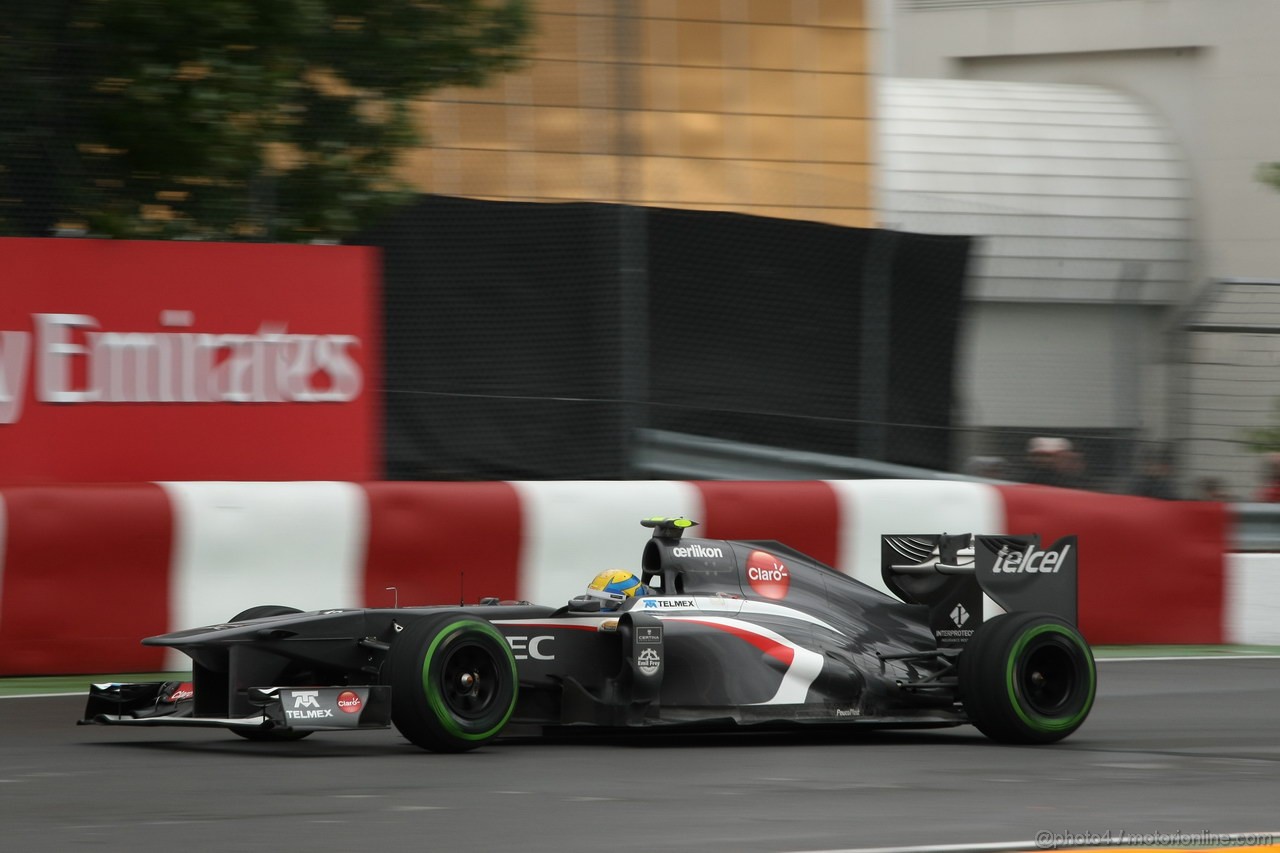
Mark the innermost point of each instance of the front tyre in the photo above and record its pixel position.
(1027, 678)
(262, 611)
(453, 682)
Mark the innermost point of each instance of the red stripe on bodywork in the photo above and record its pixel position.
(439, 543)
(86, 577)
(771, 647)
(802, 514)
(1151, 571)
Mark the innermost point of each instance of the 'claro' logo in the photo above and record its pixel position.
(768, 575)
(77, 362)
(349, 702)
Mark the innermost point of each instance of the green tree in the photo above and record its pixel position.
(1265, 439)
(1269, 173)
(227, 119)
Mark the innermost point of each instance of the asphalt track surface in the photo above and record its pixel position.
(1174, 746)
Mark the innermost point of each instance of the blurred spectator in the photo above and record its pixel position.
(1156, 478)
(1211, 489)
(988, 467)
(1052, 461)
(1270, 491)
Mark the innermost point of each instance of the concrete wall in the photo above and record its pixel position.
(1063, 367)
(1210, 68)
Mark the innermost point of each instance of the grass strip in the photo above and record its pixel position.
(38, 685)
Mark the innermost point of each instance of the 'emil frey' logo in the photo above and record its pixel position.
(649, 661)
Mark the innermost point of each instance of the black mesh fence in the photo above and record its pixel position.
(501, 331)
(533, 341)
(520, 340)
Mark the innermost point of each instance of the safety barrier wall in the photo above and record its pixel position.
(89, 570)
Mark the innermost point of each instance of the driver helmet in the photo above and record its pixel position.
(615, 586)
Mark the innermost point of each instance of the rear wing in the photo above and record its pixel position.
(950, 573)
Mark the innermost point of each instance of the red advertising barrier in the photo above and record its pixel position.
(128, 361)
(86, 576)
(437, 542)
(1151, 571)
(804, 515)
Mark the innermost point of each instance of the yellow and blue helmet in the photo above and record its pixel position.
(615, 586)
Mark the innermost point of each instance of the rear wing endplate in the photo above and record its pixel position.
(950, 573)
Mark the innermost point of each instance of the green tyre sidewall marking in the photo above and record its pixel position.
(432, 691)
(1035, 721)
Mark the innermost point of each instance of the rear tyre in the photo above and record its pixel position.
(262, 611)
(1027, 678)
(453, 682)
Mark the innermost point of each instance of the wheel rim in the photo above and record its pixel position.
(469, 682)
(468, 685)
(1048, 679)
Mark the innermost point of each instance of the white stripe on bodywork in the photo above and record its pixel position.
(553, 622)
(238, 545)
(805, 666)
(764, 608)
(574, 530)
(662, 606)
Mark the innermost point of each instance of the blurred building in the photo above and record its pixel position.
(1103, 152)
(1204, 72)
(755, 106)
(1082, 207)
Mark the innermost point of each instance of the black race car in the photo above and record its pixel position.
(736, 634)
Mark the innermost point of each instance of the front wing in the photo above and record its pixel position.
(299, 709)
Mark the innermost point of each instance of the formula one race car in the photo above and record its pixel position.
(734, 634)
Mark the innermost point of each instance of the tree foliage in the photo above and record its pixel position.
(1269, 173)
(226, 119)
(1265, 439)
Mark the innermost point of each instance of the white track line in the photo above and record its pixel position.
(1033, 844)
(934, 848)
(1188, 657)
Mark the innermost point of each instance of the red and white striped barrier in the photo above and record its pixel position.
(88, 570)
(1252, 606)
